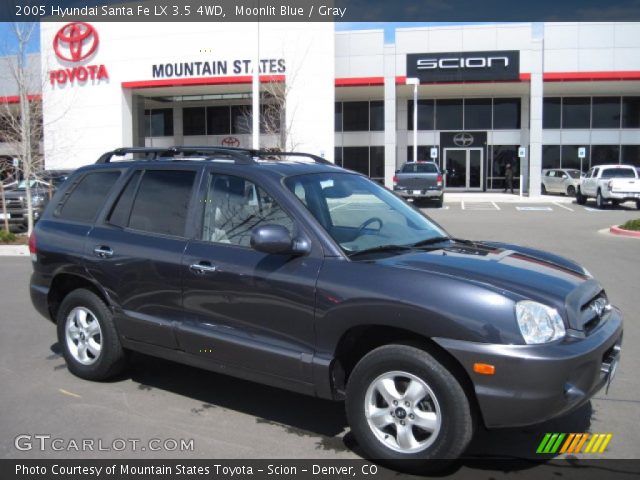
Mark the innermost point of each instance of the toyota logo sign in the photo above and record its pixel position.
(75, 41)
(463, 139)
(230, 142)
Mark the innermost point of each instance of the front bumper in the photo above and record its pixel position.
(535, 383)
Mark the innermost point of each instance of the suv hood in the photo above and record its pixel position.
(525, 272)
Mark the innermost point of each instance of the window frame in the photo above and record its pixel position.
(124, 180)
(61, 201)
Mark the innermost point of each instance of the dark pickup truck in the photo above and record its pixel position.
(419, 181)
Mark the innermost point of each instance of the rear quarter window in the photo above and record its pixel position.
(85, 198)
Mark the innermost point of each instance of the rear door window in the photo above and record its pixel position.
(84, 199)
(158, 202)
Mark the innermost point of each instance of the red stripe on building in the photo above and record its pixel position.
(591, 76)
(184, 82)
(359, 81)
(16, 99)
(524, 77)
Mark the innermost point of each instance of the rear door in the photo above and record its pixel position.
(136, 251)
(246, 309)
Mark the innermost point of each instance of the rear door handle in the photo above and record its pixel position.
(203, 267)
(103, 251)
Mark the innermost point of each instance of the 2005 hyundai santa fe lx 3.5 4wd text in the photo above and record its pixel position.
(287, 270)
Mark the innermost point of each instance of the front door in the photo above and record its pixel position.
(245, 309)
(464, 168)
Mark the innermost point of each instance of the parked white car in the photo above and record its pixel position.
(610, 183)
(561, 180)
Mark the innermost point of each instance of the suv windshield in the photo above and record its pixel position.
(360, 214)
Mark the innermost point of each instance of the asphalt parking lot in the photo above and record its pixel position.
(231, 418)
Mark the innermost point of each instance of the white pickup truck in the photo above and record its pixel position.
(610, 183)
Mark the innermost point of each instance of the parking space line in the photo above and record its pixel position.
(462, 204)
(70, 394)
(535, 209)
(562, 206)
(496, 205)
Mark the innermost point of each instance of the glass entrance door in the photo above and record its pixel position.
(464, 168)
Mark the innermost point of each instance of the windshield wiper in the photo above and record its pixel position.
(431, 241)
(380, 249)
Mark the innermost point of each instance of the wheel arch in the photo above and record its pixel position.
(358, 341)
(65, 283)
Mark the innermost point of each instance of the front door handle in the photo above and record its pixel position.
(203, 267)
(103, 251)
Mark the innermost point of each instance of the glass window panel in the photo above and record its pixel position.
(218, 120)
(338, 117)
(424, 153)
(194, 121)
(235, 207)
(338, 156)
(506, 113)
(270, 117)
(631, 154)
(162, 202)
(630, 112)
(356, 158)
(241, 119)
(503, 155)
(550, 156)
(376, 156)
(426, 112)
(86, 199)
(477, 114)
(569, 158)
(448, 114)
(605, 154)
(605, 112)
(120, 213)
(376, 116)
(355, 116)
(576, 112)
(551, 111)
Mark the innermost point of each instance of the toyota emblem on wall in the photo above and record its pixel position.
(230, 142)
(75, 41)
(463, 139)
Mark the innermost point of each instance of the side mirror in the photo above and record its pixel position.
(277, 239)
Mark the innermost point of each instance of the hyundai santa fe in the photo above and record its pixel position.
(287, 270)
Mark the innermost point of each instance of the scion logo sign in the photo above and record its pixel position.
(463, 139)
(74, 43)
(464, 66)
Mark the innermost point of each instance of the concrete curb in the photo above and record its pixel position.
(14, 251)
(616, 230)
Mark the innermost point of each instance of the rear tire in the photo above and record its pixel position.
(600, 203)
(580, 199)
(638, 204)
(88, 337)
(543, 189)
(405, 408)
(440, 201)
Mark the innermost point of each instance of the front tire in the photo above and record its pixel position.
(571, 191)
(440, 201)
(543, 189)
(403, 406)
(637, 204)
(580, 199)
(88, 337)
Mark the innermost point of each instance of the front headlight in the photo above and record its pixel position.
(37, 200)
(539, 323)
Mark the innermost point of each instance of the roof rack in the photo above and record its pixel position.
(243, 156)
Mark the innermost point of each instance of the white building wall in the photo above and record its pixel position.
(84, 120)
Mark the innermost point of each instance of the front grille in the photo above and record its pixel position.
(594, 311)
(12, 204)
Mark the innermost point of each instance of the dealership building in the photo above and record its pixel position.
(531, 95)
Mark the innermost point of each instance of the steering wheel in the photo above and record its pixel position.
(368, 222)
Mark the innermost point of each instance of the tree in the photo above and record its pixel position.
(23, 126)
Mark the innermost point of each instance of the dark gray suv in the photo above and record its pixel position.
(287, 270)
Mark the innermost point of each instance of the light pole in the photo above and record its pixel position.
(415, 82)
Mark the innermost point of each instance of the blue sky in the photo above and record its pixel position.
(8, 40)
